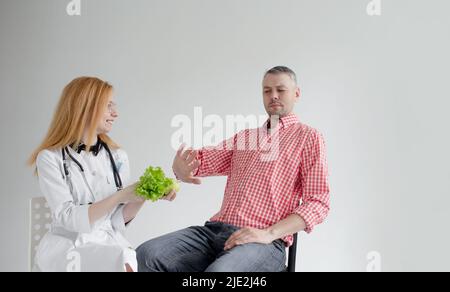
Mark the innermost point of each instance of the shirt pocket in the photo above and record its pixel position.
(110, 184)
(119, 161)
(284, 174)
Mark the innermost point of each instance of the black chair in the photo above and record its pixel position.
(292, 256)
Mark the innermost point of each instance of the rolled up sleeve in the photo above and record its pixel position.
(123, 165)
(216, 161)
(315, 185)
(66, 213)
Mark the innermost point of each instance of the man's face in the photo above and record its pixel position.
(280, 94)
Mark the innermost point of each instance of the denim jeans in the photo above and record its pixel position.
(200, 248)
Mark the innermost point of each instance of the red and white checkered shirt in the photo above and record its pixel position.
(271, 175)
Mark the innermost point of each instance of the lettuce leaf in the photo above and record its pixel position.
(154, 184)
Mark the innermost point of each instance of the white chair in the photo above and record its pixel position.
(40, 223)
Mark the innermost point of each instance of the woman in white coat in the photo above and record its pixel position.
(81, 172)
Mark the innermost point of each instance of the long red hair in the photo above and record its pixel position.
(82, 105)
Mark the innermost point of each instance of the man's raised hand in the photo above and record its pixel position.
(184, 165)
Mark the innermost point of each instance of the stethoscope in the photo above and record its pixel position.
(117, 178)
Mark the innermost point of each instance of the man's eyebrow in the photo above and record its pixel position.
(278, 86)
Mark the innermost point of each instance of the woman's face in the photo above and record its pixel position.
(109, 117)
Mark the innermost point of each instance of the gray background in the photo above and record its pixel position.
(376, 87)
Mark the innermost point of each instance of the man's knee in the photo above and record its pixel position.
(149, 257)
(222, 268)
(252, 257)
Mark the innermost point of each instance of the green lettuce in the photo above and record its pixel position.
(153, 184)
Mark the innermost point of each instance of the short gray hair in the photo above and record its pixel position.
(282, 70)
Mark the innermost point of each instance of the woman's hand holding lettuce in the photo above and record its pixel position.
(154, 185)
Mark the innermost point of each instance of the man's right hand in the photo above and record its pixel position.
(184, 165)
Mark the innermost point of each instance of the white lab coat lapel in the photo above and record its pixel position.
(98, 174)
(80, 191)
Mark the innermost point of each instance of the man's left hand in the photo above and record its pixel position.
(248, 235)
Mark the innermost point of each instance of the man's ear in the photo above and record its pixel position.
(298, 94)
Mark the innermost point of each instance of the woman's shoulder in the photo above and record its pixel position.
(48, 155)
(49, 159)
(120, 152)
(120, 156)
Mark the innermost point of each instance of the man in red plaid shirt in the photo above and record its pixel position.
(277, 185)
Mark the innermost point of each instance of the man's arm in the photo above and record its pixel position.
(290, 225)
(315, 187)
(189, 165)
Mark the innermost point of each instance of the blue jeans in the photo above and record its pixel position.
(200, 248)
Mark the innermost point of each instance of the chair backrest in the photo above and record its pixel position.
(292, 257)
(40, 223)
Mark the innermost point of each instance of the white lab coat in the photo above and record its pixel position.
(73, 244)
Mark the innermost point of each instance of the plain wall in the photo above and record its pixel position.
(376, 87)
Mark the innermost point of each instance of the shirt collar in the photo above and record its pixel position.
(95, 149)
(284, 122)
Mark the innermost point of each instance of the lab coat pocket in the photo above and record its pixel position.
(52, 252)
(94, 257)
(119, 164)
(118, 161)
(80, 194)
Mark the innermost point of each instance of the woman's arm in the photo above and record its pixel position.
(127, 196)
(131, 209)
